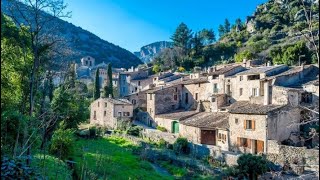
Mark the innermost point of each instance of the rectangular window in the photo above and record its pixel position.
(215, 87)
(105, 104)
(128, 113)
(138, 83)
(196, 96)
(244, 142)
(98, 104)
(150, 96)
(175, 97)
(254, 91)
(240, 91)
(213, 99)
(94, 115)
(236, 120)
(222, 137)
(249, 124)
(241, 78)
(105, 113)
(119, 114)
(199, 85)
(176, 89)
(150, 110)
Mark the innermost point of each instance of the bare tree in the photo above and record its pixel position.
(311, 33)
(39, 16)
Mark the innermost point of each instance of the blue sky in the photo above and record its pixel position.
(132, 24)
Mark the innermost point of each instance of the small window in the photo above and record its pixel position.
(94, 115)
(150, 111)
(175, 97)
(172, 106)
(241, 78)
(105, 113)
(176, 89)
(215, 87)
(196, 96)
(105, 104)
(249, 125)
(199, 85)
(136, 89)
(236, 120)
(119, 114)
(138, 83)
(128, 113)
(213, 99)
(244, 142)
(150, 96)
(241, 89)
(98, 104)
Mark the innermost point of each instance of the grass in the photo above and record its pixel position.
(51, 167)
(111, 158)
(176, 171)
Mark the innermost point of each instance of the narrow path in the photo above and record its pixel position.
(160, 170)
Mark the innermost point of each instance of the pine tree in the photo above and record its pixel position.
(226, 26)
(96, 92)
(221, 31)
(182, 37)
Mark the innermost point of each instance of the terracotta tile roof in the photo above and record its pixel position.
(245, 107)
(208, 120)
(178, 114)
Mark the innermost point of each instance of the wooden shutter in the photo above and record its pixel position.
(238, 141)
(253, 124)
(245, 124)
(249, 142)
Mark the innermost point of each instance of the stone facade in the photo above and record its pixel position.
(274, 125)
(110, 113)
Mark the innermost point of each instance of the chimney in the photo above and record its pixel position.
(268, 63)
(266, 100)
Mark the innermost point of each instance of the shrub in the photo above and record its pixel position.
(16, 169)
(181, 69)
(92, 131)
(252, 165)
(180, 145)
(62, 143)
(162, 143)
(135, 131)
(160, 128)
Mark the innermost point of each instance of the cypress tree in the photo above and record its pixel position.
(109, 73)
(96, 92)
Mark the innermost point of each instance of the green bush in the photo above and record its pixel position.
(180, 146)
(62, 143)
(92, 131)
(135, 131)
(160, 128)
(162, 143)
(17, 169)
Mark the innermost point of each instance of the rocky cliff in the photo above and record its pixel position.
(148, 52)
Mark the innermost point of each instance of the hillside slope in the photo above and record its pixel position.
(81, 43)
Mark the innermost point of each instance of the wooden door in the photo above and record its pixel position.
(260, 146)
(208, 137)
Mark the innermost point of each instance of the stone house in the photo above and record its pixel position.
(207, 128)
(250, 85)
(111, 113)
(220, 80)
(171, 120)
(252, 125)
(133, 81)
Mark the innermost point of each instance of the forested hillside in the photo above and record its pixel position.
(75, 41)
(278, 31)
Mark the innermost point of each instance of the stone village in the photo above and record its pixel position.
(227, 110)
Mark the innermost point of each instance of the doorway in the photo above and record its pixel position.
(175, 127)
(187, 98)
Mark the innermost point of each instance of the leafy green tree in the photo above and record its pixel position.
(156, 68)
(182, 37)
(96, 94)
(246, 54)
(62, 143)
(207, 36)
(196, 45)
(252, 165)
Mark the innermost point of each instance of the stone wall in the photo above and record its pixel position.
(164, 122)
(156, 135)
(279, 154)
